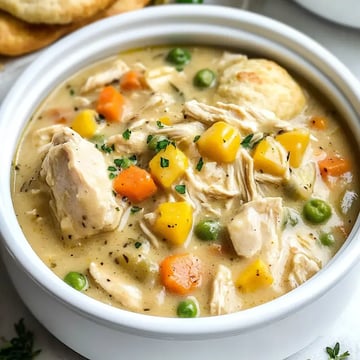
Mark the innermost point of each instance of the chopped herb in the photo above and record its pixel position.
(72, 92)
(21, 346)
(149, 138)
(251, 140)
(334, 353)
(159, 124)
(196, 138)
(135, 209)
(105, 148)
(164, 163)
(200, 164)
(181, 189)
(246, 143)
(124, 163)
(162, 144)
(126, 134)
(137, 244)
(112, 176)
(177, 90)
(111, 168)
(133, 158)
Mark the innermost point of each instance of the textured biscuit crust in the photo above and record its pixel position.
(262, 83)
(18, 37)
(53, 11)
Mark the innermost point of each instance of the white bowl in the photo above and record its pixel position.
(344, 12)
(273, 330)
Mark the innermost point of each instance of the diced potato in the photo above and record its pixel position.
(269, 158)
(220, 142)
(168, 165)
(300, 184)
(295, 142)
(174, 221)
(85, 123)
(257, 275)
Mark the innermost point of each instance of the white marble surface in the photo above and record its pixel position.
(345, 44)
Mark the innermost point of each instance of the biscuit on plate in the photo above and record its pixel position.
(18, 37)
(262, 83)
(53, 11)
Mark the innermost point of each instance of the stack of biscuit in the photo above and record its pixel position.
(29, 25)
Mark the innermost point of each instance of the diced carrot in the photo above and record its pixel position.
(134, 183)
(110, 104)
(181, 273)
(132, 80)
(333, 166)
(318, 122)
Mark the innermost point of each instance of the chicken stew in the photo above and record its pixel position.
(185, 181)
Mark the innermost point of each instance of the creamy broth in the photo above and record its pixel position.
(257, 198)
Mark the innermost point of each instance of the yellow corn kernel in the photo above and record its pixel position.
(85, 124)
(257, 275)
(295, 142)
(168, 165)
(269, 158)
(220, 142)
(165, 120)
(174, 221)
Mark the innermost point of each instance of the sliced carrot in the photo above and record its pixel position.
(318, 122)
(333, 166)
(110, 104)
(132, 80)
(181, 273)
(134, 183)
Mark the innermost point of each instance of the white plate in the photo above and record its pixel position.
(345, 12)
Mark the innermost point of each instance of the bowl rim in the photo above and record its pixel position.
(201, 18)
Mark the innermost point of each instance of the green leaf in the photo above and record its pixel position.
(181, 189)
(200, 164)
(126, 134)
(164, 163)
(21, 346)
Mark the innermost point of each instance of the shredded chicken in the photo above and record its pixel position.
(183, 133)
(221, 181)
(224, 298)
(43, 136)
(302, 269)
(257, 223)
(114, 72)
(247, 118)
(81, 191)
(129, 295)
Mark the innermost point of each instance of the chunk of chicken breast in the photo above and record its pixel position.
(129, 295)
(224, 298)
(76, 174)
(258, 222)
(113, 72)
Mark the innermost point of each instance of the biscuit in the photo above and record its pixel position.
(18, 37)
(53, 11)
(262, 83)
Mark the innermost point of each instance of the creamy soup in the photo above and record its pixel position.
(185, 181)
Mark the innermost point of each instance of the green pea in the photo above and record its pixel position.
(204, 78)
(189, 1)
(327, 239)
(179, 56)
(207, 230)
(187, 309)
(317, 211)
(77, 280)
